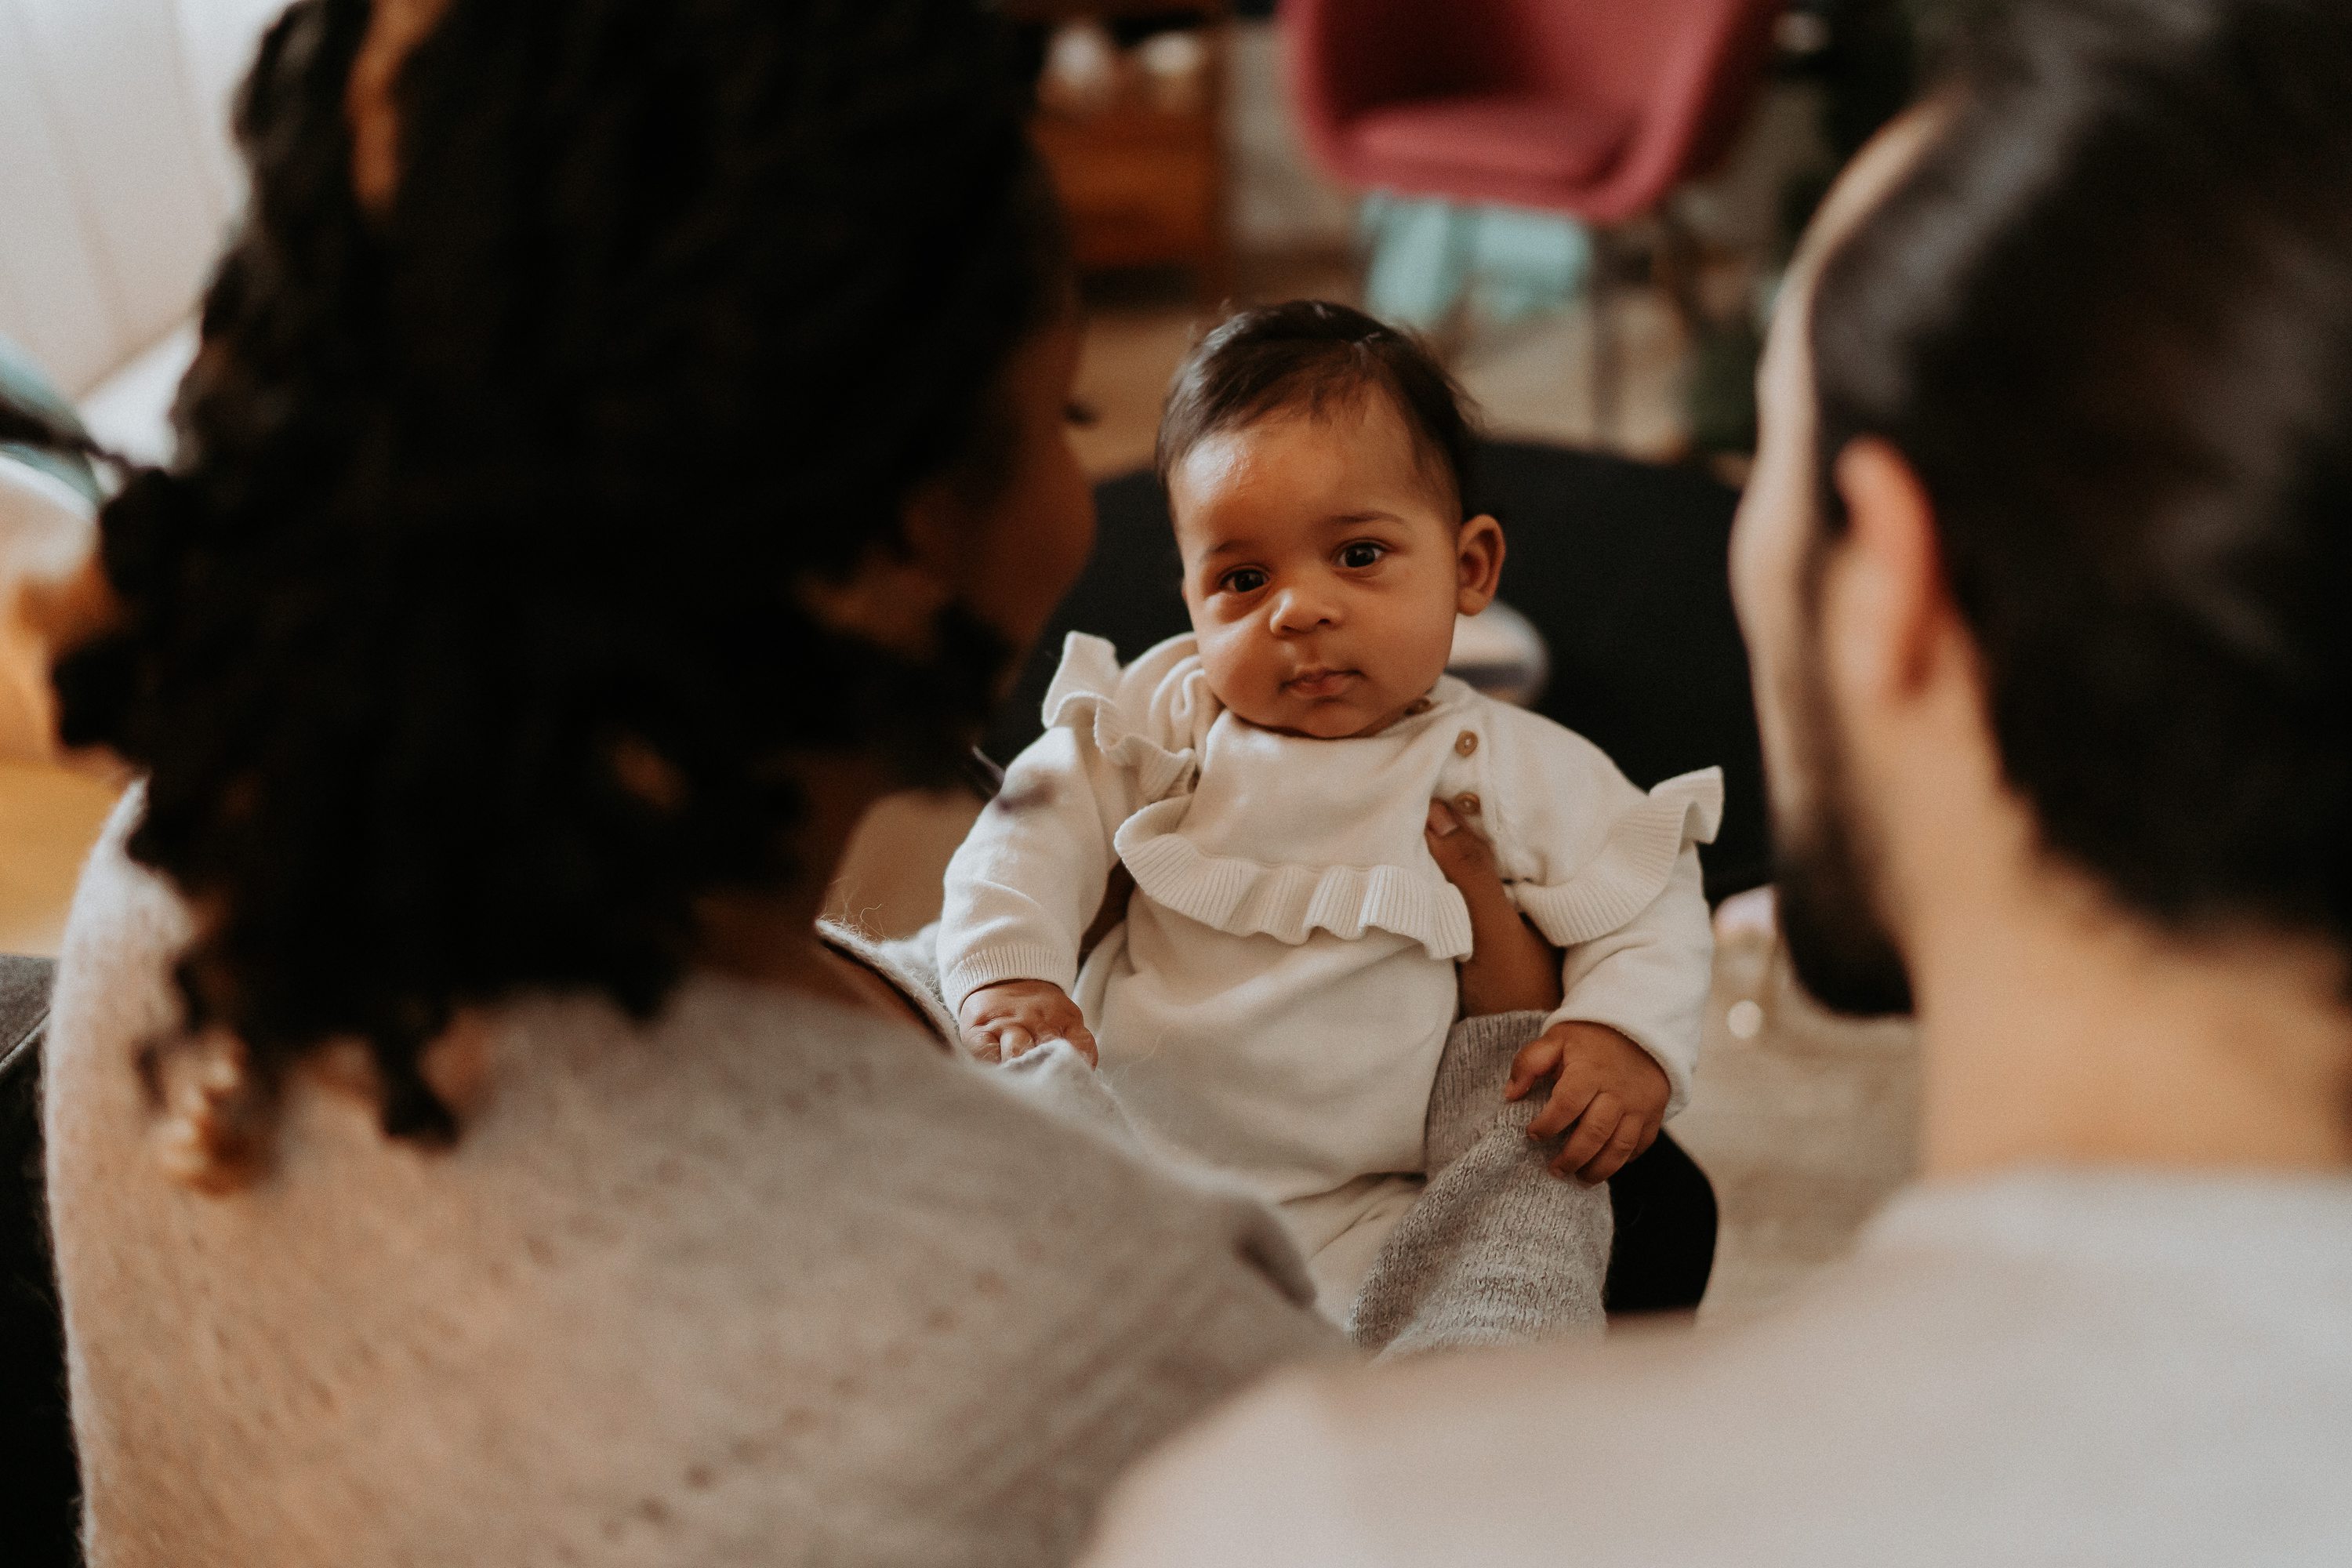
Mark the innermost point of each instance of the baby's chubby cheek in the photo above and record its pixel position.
(1245, 667)
(1411, 651)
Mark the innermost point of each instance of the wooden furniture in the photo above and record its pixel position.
(49, 817)
(1142, 170)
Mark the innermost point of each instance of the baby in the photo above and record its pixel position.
(1276, 994)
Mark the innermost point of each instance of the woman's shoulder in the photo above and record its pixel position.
(125, 929)
(807, 1118)
(761, 1091)
(1039, 1151)
(972, 1242)
(828, 1121)
(756, 1212)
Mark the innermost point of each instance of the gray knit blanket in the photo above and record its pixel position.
(1497, 1249)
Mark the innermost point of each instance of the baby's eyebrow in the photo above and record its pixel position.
(1226, 549)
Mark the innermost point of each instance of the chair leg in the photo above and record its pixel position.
(1450, 337)
(1679, 254)
(1602, 359)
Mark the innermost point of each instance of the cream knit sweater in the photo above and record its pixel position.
(1277, 999)
(766, 1282)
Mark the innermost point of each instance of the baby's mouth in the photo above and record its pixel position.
(1320, 683)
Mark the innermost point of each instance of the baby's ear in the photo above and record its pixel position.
(1477, 564)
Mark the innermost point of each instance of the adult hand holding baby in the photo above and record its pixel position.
(1511, 968)
(1012, 1017)
(1608, 1094)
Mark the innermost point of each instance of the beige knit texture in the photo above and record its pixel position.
(766, 1282)
(1496, 1250)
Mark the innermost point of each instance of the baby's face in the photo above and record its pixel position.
(1324, 565)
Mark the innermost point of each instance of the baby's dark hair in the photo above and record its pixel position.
(1305, 356)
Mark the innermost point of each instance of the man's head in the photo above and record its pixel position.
(2047, 548)
(1316, 463)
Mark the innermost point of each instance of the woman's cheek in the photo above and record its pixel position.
(1038, 540)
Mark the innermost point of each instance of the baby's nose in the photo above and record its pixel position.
(1303, 610)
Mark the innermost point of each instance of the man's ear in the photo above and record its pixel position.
(1479, 565)
(1887, 591)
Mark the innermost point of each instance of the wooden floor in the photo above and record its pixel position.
(48, 819)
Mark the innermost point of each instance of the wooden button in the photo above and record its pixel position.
(1465, 804)
(1465, 743)
(1419, 707)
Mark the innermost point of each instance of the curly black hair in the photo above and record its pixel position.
(488, 499)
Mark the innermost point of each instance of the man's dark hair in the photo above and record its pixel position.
(1309, 356)
(2107, 317)
(467, 645)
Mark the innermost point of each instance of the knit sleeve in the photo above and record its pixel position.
(1620, 860)
(1648, 979)
(1028, 879)
(1609, 874)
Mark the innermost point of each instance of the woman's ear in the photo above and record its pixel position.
(1478, 565)
(894, 595)
(890, 599)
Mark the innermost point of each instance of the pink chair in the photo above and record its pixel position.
(1597, 109)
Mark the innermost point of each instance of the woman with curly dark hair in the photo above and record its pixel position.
(626, 442)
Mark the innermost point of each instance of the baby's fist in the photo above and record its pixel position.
(1608, 1094)
(1012, 1017)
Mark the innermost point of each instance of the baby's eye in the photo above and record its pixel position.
(1242, 580)
(1363, 552)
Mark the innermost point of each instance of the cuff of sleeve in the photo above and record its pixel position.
(1676, 1063)
(1013, 960)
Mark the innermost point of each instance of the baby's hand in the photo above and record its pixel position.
(1010, 1017)
(1511, 968)
(1611, 1089)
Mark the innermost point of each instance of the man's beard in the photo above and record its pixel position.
(1840, 948)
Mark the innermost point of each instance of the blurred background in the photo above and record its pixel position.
(1587, 204)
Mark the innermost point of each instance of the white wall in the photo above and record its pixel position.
(117, 181)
